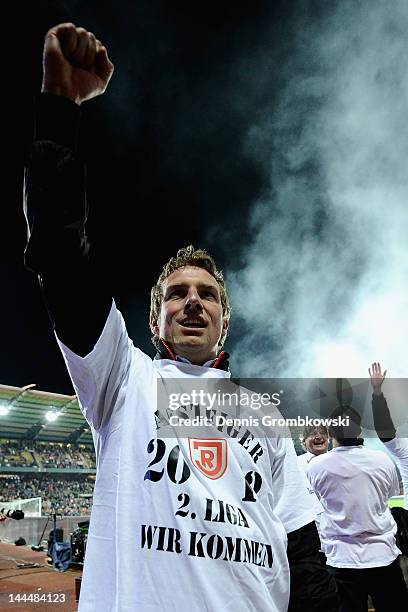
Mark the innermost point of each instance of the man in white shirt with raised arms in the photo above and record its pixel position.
(357, 529)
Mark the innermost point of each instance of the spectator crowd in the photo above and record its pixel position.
(70, 496)
(27, 453)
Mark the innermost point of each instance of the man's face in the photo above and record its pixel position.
(316, 442)
(191, 314)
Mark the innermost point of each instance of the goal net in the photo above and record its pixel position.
(30, 507)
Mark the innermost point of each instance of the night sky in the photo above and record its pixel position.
(164, 155)
(176, 154)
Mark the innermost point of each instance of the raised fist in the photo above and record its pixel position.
(75, 64)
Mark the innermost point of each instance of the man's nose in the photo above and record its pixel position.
(193, 302)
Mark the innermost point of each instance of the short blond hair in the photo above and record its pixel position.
(200, 258)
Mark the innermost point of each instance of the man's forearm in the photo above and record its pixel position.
(382, 418)
(56, 211)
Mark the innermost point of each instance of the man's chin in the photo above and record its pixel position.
(187, 339)
(193, 346)
(192, 343)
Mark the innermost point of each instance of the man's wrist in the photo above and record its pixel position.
(60, 90)
(57, 118)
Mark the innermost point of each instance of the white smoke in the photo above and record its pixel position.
(323, 289)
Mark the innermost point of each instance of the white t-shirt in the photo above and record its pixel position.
(178, 523)
(303, 463)
(398, 447)
(304, 460)
(354, 484)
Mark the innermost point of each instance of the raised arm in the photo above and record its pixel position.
(382, 418)
(76, 68)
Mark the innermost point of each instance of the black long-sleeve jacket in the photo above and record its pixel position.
(383, 423)
(76, 293)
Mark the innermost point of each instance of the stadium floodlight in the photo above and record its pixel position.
(3, 410)
(51, 415)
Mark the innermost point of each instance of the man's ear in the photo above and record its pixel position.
(154, 327)
(225, 325)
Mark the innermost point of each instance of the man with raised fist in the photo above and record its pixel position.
(178, 522)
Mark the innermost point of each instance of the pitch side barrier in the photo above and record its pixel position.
(31, 528)
(266, 407)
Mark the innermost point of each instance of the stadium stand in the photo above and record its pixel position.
(46, 451)
(68, 496)
(45, 455)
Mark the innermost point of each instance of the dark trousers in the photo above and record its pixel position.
(385, 584)
(312, 587)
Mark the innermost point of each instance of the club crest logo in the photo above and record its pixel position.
(209, 455)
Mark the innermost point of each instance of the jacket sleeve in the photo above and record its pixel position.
(55, 207)
(382, 418)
